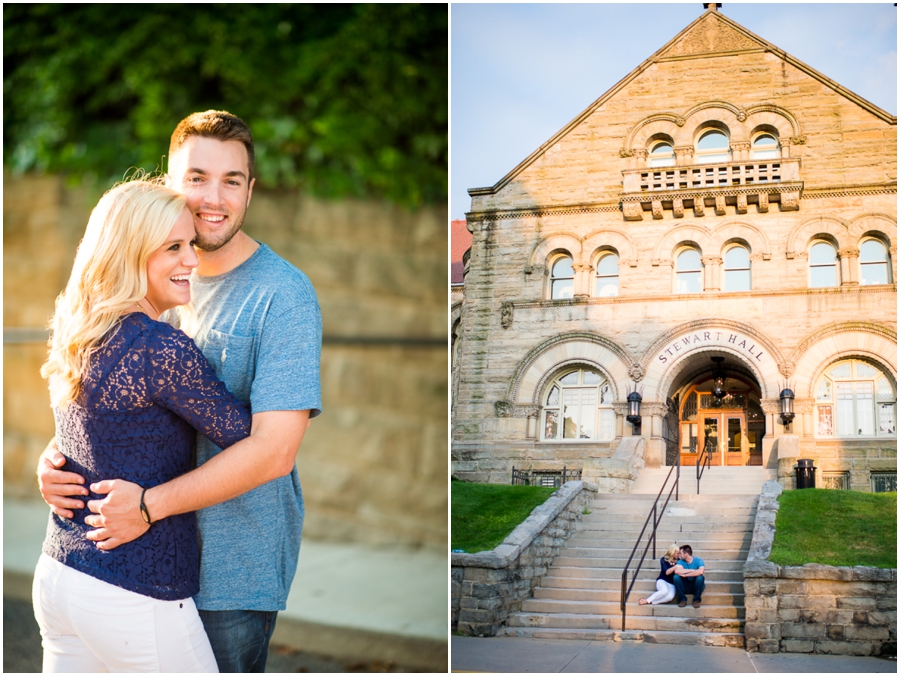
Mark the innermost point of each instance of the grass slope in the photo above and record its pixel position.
(482, 515)
(836, 528)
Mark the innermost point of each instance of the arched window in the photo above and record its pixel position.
(662, 154)
(607, 275)
(737, 269)
(855, 399)
(823, 265)
(873, 263)
(712, 147)
(764, 147)
(562, 278)
(688, 272)
(578, 406)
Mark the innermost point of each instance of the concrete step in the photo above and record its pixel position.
(727, 640)
(724, 541)
(622, 554)
(600, 562)
(691, 621)
(681, 517)
(552, 580)
(641, 589)
(667, 527)
(671, 609)
(715, 481)
(649, 572)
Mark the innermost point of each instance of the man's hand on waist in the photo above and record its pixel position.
(116, 518)
(56, 485)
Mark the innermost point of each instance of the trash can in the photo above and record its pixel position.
(806, 474)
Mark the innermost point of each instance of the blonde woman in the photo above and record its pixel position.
(129, 394)
(665, 582)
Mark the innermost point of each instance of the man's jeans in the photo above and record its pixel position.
(239, 638)
(683, 586)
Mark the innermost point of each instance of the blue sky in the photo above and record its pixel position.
(520, 72)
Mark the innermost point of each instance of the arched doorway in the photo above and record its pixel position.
(717, 408)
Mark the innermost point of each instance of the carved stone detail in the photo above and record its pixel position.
(787, 368)
(620, 408)
(741, 116)
(848, 253)
(526, 411)
(636, 372)
(679, 121)
(626, 152)
(709, 36)
(654, 408)
(656, 208)
(684, 151)
(763, 203)
(790, 201)
(678, 208)
(536, 269)
(803, 405)
(641, 153)
(720, 205)
(711, 260)
(799, 140)
(741, 204)
(632, 211)
(770, 406)
(740, 145)
(506, 314)
(503, 409)
(698, 206)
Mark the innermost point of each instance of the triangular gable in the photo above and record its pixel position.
(710, 34)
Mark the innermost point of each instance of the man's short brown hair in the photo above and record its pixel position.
(215, 124)
(687, 549)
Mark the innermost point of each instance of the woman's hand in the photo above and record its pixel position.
(117, 517)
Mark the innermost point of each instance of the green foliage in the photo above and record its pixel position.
(342, 100)
(482, 515)
(836, 528)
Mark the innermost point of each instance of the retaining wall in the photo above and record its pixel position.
(487, 586)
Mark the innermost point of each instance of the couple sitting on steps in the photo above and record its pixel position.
(681, 574)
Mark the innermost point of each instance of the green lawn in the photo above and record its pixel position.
(836, 528)
(482, 515)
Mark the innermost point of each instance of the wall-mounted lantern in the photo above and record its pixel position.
(634, 408)
(787, 406)
(719, 376)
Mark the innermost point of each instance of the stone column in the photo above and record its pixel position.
(640, 158)
(849, 267)
(785, 148)
(684, 155)
(582, 282)
(712, 273)
(740, 151)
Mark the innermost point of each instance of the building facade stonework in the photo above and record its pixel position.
(716, 228)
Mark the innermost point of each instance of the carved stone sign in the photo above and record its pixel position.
(713, 337)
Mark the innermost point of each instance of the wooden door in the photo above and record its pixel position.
(726, 434)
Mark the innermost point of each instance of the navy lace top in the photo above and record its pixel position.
(665, 565)
(147, 392)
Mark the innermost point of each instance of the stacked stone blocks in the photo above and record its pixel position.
(835, 610)
(487, 586)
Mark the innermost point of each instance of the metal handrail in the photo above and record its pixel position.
(707, 454)
(623, 598)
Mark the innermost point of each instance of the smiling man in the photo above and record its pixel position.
(259, 325)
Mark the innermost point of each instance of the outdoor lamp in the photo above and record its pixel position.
(787, 406)
(719, 379)
(634, 408)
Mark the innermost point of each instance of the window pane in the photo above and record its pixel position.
(570, 378)
(591, 378)
(864, 370)
(551, 425)
(563, 268)
(885, 391)
(822, 254)
(713, 141)
(607, 423)
(823, 393)
(709, 159)
(886, 424)
(553, 397)
(737, 280)
(563, 288)
(689, 260)
(608, 265)
(588, 413)
(570, 414)
(766, 154)
(689, 282)
(865, 413)
(737, 257)
(872, 251)
(841, 370)
(607, 286)
(604, 394)
(764, 141)
(823, 276)
(846, 427)
(825, 427)
(873, 273)
(661, 150)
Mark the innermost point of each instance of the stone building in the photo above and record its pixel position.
(716, 232)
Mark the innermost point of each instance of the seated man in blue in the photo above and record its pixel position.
(689, 577)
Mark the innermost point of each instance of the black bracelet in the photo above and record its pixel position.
(144, 512)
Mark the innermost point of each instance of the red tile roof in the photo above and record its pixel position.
(460, 241)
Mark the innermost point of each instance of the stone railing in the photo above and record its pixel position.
(813, 608)
(487, 586)
(696, 187)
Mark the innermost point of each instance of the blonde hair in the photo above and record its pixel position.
(670, 553)
(129, 223)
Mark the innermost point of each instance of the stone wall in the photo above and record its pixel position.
(856, 459)
(487, 586)
(834, 610)
(374, 465)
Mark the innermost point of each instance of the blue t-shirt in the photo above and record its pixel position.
(696, 563)
(147, 392)
(260, 327)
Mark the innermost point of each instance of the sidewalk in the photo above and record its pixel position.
(536, 655)
(348, 601)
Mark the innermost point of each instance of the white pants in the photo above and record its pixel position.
(88, 625)
(664, 593)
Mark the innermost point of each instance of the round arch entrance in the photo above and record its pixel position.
(714, 407)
